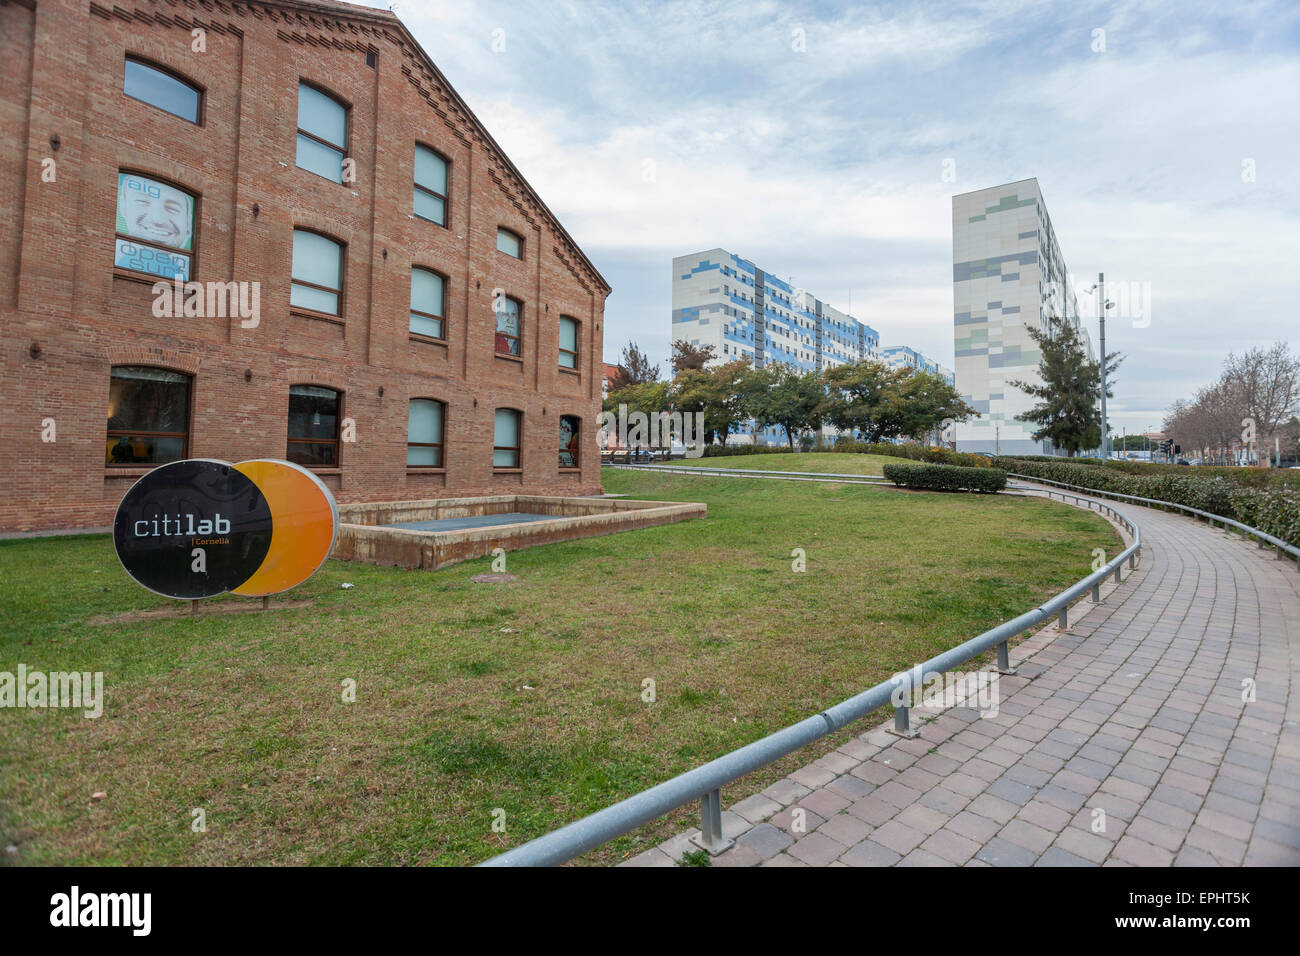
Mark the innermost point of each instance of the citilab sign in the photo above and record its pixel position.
(200, 527)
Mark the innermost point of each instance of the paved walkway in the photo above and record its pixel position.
(1124, 741)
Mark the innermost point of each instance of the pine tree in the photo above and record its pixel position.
(1068, 412)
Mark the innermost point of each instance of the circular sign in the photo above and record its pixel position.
(306, 522)
(198, 528)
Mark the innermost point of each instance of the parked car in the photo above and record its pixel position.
(1183, 461)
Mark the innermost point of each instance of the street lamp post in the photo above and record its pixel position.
(1101, 318)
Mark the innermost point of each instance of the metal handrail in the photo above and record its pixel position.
(1261, 536)
(705, 783)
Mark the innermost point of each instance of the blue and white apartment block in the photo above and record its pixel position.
(1008, 275)
(722, 300)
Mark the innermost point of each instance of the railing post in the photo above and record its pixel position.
(1096, 593)
(902, 727)
(711, 837)
(1063, 618)
(1132, 560)
(1118, 579)
(1004, 660)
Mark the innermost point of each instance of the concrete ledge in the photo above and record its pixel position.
(364, 537)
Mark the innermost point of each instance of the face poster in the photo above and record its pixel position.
(568, 441)
(150, 215)
(508, 328)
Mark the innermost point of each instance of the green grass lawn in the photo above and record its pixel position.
(470, 697)
(813, 461)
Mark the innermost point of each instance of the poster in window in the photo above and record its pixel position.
(155, 227)
(508, 328)
(568, 441)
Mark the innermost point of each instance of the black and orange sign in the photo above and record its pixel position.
(198, 528)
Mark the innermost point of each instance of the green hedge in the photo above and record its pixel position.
(1274, 510)
(913, 451)
(1250, 477)
(946, 477)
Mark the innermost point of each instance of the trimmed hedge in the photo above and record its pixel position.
(1274, 510)
(916, 452)
(947, 477)
(1251, 477)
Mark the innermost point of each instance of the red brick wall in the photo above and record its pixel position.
(59, 289)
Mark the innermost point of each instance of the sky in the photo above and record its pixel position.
(824, 142)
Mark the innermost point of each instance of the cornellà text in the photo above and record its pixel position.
(218, 525)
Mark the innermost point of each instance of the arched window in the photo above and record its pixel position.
(511, 243)
(428, 303)
(322, 133)
(430, 201)
(148, 416)
(424, 424)
(506, 434)
(314, 426)
(154, 233)
(570, 441)
(162, 89)
(317, 273)
(510, 325)
(569, 342)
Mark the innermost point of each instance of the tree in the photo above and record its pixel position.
(857, 398)
(650, 399)
(1068, 411)
(784, 396)
(616, 380)
(721, 394)
(636, 368)
(687, 356)
(1265, 384)
(926, 402)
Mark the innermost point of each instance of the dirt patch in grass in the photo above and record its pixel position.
(187, 610)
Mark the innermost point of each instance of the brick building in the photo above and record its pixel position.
(367, 284)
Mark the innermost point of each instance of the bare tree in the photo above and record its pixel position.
(1266, 383)
(636, 367)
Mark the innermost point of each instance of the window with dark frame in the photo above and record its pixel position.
(317, 273)
(511, 243)
(428, 303)
(148, 416)
(314, 426)
(154, 231)
(424, 425)
(510, 322)
(570, 432)
(162, 89)
(568, 342)
(505, 438)
(322, 133)
(430, 195)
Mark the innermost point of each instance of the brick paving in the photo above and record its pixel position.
(1124, 741)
